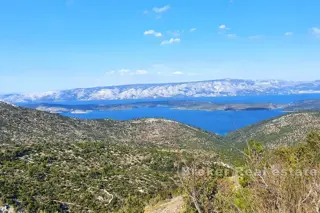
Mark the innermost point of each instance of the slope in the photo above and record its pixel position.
(287, 129)
(54, 163)
(21, 125)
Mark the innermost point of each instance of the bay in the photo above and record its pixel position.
(220, 122)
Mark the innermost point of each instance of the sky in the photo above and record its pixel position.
(61, 44)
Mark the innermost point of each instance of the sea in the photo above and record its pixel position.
(219, 122)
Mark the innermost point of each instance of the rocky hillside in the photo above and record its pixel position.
(86, 176)
(21, 125)
(286, 129)
(305, 105)
(54, 163)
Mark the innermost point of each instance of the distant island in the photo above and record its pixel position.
(176, 104)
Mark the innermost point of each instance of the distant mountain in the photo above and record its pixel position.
(213, 88)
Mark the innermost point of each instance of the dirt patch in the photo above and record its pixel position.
(175, 205)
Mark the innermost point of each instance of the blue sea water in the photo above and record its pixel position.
(277, 99)
(220, 122)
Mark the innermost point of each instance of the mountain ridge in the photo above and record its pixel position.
(284, 130)
(210, 88)
(22, 125)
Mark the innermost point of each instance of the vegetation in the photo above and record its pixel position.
(96, 176)
(24, 126)
(50, 163)
(272, 180)
(305, 105)
(285, 130)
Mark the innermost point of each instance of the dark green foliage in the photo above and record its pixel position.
(84, 176)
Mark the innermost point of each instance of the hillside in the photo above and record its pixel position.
(61, 164)
(305, 105)
(24, 126)
(86, 176)
(57, 163)
(213, 88)
(286, 129)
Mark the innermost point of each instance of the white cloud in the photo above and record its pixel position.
(255, 37)
(145, 12)
(288, 34)
(232, 36)
(223, 27)
(152, 32)
(177, 73)
(193, 29)
(123, 71)
(171, 41)
(315, 31)
(161, 9)
(141, 72)
(149, 32)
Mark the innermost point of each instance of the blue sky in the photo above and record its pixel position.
(61, 44)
